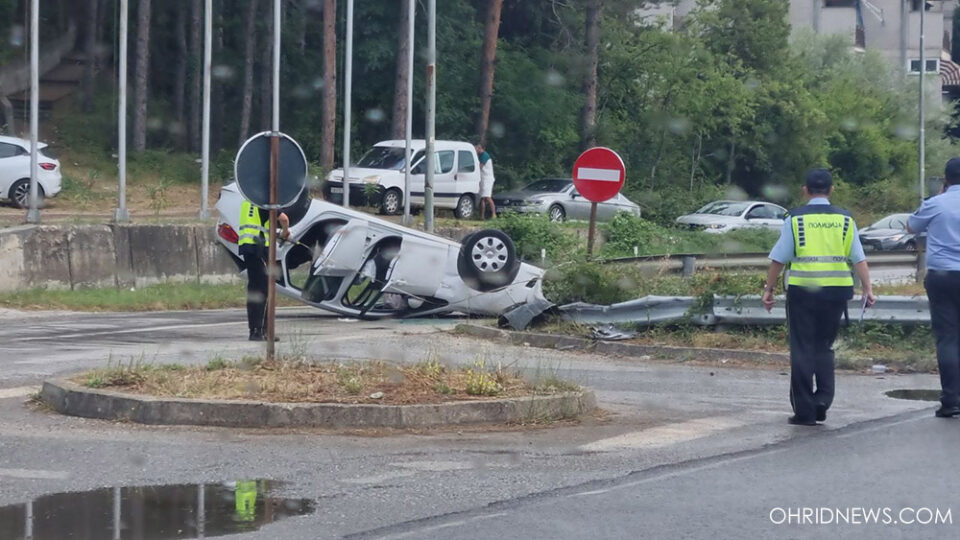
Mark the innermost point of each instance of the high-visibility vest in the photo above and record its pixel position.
(245, 500)
(252, 230)
(822, 237)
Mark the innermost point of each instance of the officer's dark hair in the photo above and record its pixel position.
(951, 173)
(819, 182)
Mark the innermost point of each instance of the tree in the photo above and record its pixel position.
(90, 54)
(180, 72)
(328, 120)
(250, 41)
(142, 77)
(588, 114)
(196, 72)
(398, 128)
(490, 38)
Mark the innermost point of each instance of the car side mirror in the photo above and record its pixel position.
(574, 195)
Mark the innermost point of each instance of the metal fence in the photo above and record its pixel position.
(730, 310)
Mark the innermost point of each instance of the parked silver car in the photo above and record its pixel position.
(889, 233)
(558, 198)
(725, 216)
(352, 263)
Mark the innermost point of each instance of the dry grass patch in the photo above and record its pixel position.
(287, 381)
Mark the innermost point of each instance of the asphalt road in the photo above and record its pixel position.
(680, 451)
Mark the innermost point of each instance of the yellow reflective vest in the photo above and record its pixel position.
(822, 237)
(252, 230)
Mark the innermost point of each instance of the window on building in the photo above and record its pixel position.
(915, 5)
(932, 65)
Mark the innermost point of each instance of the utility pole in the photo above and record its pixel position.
(121, 215)
(409, 132)
(33, 214)
(347, 89)
(431, 111)
(923, 73)
(274, 167)
(205, 143)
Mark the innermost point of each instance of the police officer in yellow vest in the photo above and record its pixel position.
(820, 243)
(254, 242)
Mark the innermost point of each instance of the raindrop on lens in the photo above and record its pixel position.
(222, 72)
(497, 130)
(375, 115)
(554, 78)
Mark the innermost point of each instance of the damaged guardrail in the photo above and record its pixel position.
(734, 310)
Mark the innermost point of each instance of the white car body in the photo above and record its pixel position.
(724, 216)
(15, 171)
(456, 180)
(414, 273)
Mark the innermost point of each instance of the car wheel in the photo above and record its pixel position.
(464, 208)
(20, 193)
(487, 260)
(557, 213)
(392, 202)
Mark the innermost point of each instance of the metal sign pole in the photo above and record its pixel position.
(409, 161)
(274, 159)
(593, 228)
(205, 152)
(431, 111)
(923, 73)
(347, 89)
(33, 214)
(120, 214)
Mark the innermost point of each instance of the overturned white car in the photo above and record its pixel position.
(352, 263)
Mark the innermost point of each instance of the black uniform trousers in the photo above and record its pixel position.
(943, 291)
(813, 319)
(254, 258)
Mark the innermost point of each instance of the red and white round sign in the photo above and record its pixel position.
(598, 174)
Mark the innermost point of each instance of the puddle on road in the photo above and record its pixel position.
(915, 395)
(151, 512)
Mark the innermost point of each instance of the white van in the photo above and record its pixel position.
(377, 178)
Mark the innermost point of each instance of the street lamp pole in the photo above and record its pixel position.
(33, 214)
(347, 89)
(431, 112)
(205, 150)
(923, 73)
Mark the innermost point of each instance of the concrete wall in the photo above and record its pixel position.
(83, 256)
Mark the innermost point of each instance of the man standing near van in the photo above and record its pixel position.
(939, 216)
(819, 241)
(486, 182)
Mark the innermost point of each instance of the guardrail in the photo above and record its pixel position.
(730, 310)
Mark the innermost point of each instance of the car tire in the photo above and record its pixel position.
(20, 193)
(487, 260)
(465, 207)
(557, 213)
(391, 203)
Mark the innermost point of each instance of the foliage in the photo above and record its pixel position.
(481, 382)
(532, 232)
(626, 231)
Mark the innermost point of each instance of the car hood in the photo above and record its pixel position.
(514, 195)
(881, 233)
(708, 219)
(357, 173)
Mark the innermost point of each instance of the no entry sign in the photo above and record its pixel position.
(598, 174)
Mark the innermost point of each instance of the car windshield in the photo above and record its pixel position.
(383, 157)
(548, 185)
(724, 208)
(896, 221)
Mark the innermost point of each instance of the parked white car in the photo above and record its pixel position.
(15, 171)
(725, 216)
(362, 266)
(377, 179)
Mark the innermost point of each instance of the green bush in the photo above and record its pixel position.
(532, 232)
(626, 231)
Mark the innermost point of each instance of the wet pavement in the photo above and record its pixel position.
(436, 483)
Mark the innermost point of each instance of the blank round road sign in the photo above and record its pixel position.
(598, 174)
(252, 170)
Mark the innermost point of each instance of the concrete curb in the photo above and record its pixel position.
(551, 341)
(75, 400)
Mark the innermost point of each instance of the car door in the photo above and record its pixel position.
(609, 208)
(12, 167)
(417, 177)
(578, 207)
(467, 179)
(445, 194)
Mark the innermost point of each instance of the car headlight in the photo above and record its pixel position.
(896, 237)
(372, 179)
(715, 226)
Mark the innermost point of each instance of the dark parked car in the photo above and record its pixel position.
(889, 233)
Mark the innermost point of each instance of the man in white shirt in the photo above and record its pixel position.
(486, 182)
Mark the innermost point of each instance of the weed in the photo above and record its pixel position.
(350, 380)
(217, 363)
(480, 382)
(430, 368)
(443, 389)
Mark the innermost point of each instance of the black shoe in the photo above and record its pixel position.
(800, 422)
(821, 413)
(947, 412)
(256, 335)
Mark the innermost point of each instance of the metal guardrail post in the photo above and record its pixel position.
(921, 264)
(689, 265)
